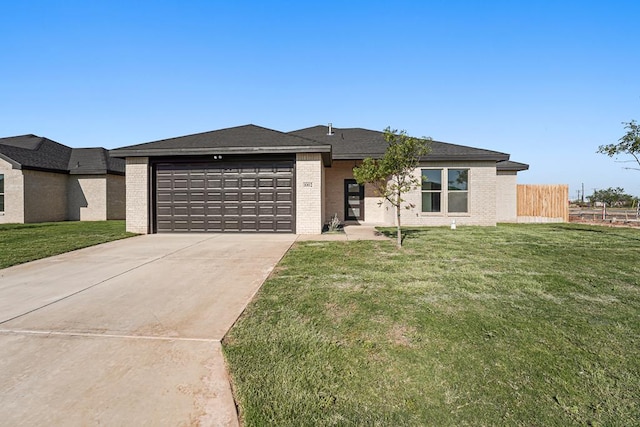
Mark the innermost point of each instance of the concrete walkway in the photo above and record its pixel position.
(128, 333)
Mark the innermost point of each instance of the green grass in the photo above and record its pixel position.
(20, 243)
(515, 325)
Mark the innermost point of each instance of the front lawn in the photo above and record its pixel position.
(21, 243)
(532, 325)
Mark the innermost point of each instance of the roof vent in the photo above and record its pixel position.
(330, 132)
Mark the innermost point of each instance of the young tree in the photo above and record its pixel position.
(393, 174)
(628, 144)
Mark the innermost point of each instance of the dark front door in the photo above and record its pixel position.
(353, 200)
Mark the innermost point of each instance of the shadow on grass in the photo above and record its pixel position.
(407, 233)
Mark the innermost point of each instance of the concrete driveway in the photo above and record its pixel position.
(128, 333)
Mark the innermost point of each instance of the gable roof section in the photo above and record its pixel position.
(247, 139)
(37, 153)
(358, 143)
(94, 161)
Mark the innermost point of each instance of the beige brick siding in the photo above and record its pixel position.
(506, 196)
(87, 198)
(37, 196)
(137, 191)
(116, 194)
(334, 194)
(309, 197)
(45, 196)
(334, 188)
(13, 194)
(482, 198)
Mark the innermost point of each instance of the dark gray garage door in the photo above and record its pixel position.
(218, 197)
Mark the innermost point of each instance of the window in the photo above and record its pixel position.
(431, 190)
(458, 190)
(456, 193)
(1, 193)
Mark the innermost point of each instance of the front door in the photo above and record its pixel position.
(353, 200)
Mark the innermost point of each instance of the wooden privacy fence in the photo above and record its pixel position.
(543, 203)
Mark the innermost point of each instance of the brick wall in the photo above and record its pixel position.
(137, 194)
(13, 194)
(481, 198)
(334, 194)
(506, 196)
(334, 188)
(309, 197)
(87, 198)
(45, 196)
(116, 194)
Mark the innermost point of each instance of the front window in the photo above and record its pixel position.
(455, 194)
(431, 190)
(458, 190)
(1, 193)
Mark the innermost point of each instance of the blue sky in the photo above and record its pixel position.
(546, 81)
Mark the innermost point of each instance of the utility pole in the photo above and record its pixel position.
(583, 192)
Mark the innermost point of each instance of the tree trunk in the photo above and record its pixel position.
(398, 212)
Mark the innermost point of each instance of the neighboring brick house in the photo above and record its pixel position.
(42, 180)
(250, 178)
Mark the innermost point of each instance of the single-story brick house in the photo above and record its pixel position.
(42, 180)
(250, 178)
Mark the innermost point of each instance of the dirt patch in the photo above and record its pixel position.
(607, 223)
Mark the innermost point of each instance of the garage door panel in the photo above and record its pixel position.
(266, 183)
(215, 196)
(164, 197)
(214, 182)
(180, 183)
(197, 211)
(284, 196)
(266, 210)
(248, 183)
(250, 224)
(218, 197)
(249, 196)
(165, 211)
(266, 196)
(197, 183)
(283, 225)
(231, 210)
(180, 197)
(284, 210)
(181, 211)
(248, 210)
(231, 182)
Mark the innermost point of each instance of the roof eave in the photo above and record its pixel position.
(524, 167)
(41, 169)
(324, 150)
(95, 172)
(429, 158)
(13, 163)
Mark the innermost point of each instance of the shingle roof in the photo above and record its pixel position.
(348, 144)
(35, 152)
(247, 139)
(38, 153)
(358, 143)
(94, 161)
(508, 165)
